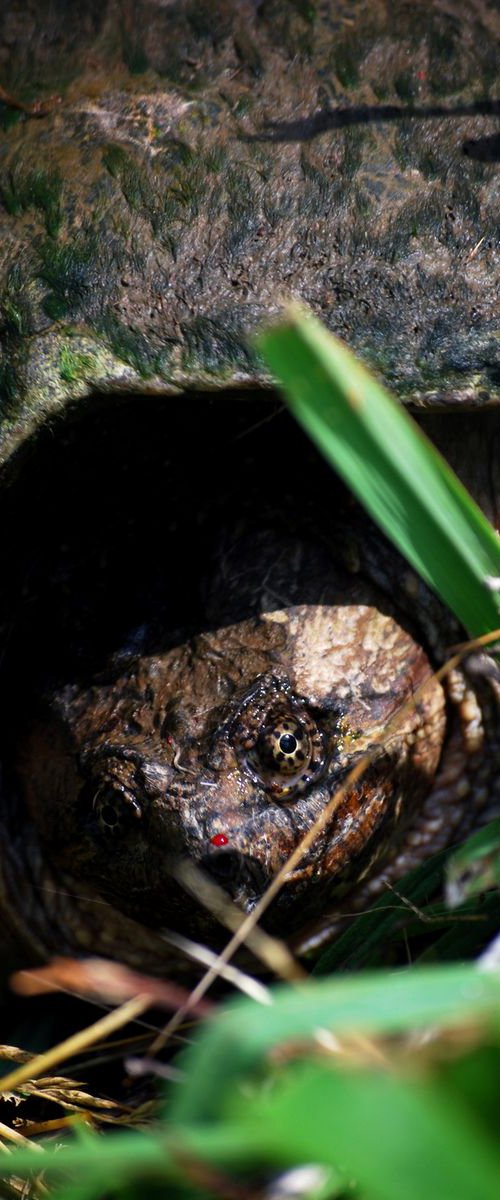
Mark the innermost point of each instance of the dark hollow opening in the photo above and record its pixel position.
(114, 524)
(132, 526)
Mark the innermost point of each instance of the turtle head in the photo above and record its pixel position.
(229, 750)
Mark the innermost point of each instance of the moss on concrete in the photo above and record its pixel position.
(22, 188)
(132, 177)
(74, 366)
(71, 271)
(222, 336)
(130, 345)
(184, 185)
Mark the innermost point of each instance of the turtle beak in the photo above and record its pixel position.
(240, 876)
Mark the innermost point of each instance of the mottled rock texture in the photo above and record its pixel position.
(208, 157)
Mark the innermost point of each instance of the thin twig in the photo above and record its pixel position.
(250, 921)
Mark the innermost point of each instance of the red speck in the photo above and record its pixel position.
(421, 74)
(219, 839)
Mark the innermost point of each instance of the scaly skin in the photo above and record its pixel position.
(124, 779)
(289, 610)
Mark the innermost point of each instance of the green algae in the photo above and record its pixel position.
(10, 396)
(71, 270)
(17, 322)
(74, 366)
(22, 188)
(348, 54)
(131, 346)
(243, 206)
(161, 220)
(215, 159)
(173, 191)
(353, 143)
(16, 305)
(132, 177)
(221, 338)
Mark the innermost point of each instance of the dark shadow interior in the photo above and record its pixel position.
(117, 516)
(113, 522)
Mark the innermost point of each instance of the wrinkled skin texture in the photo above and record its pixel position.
(157, 763)
(126, 768)
(125, 780)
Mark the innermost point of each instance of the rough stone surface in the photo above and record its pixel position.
(207, 158)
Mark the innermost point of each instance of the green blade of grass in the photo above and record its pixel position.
(390, 465)
(371, 931)
(374, 1002)
(393, 1137)
(475, 867)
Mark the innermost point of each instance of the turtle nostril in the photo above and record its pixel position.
(226, 866)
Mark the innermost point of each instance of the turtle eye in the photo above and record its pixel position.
(112, 809)
(287, 753)
(285, 746)
(277, 740)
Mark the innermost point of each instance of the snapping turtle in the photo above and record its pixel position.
(201, 632)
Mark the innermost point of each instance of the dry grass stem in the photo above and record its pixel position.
(249, 922)
(75, 1044)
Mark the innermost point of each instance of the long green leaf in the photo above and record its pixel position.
(475, 867)
(373, 929)
(394, 1137)
(391, 466)
(215, 1099)
(378, 1002)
